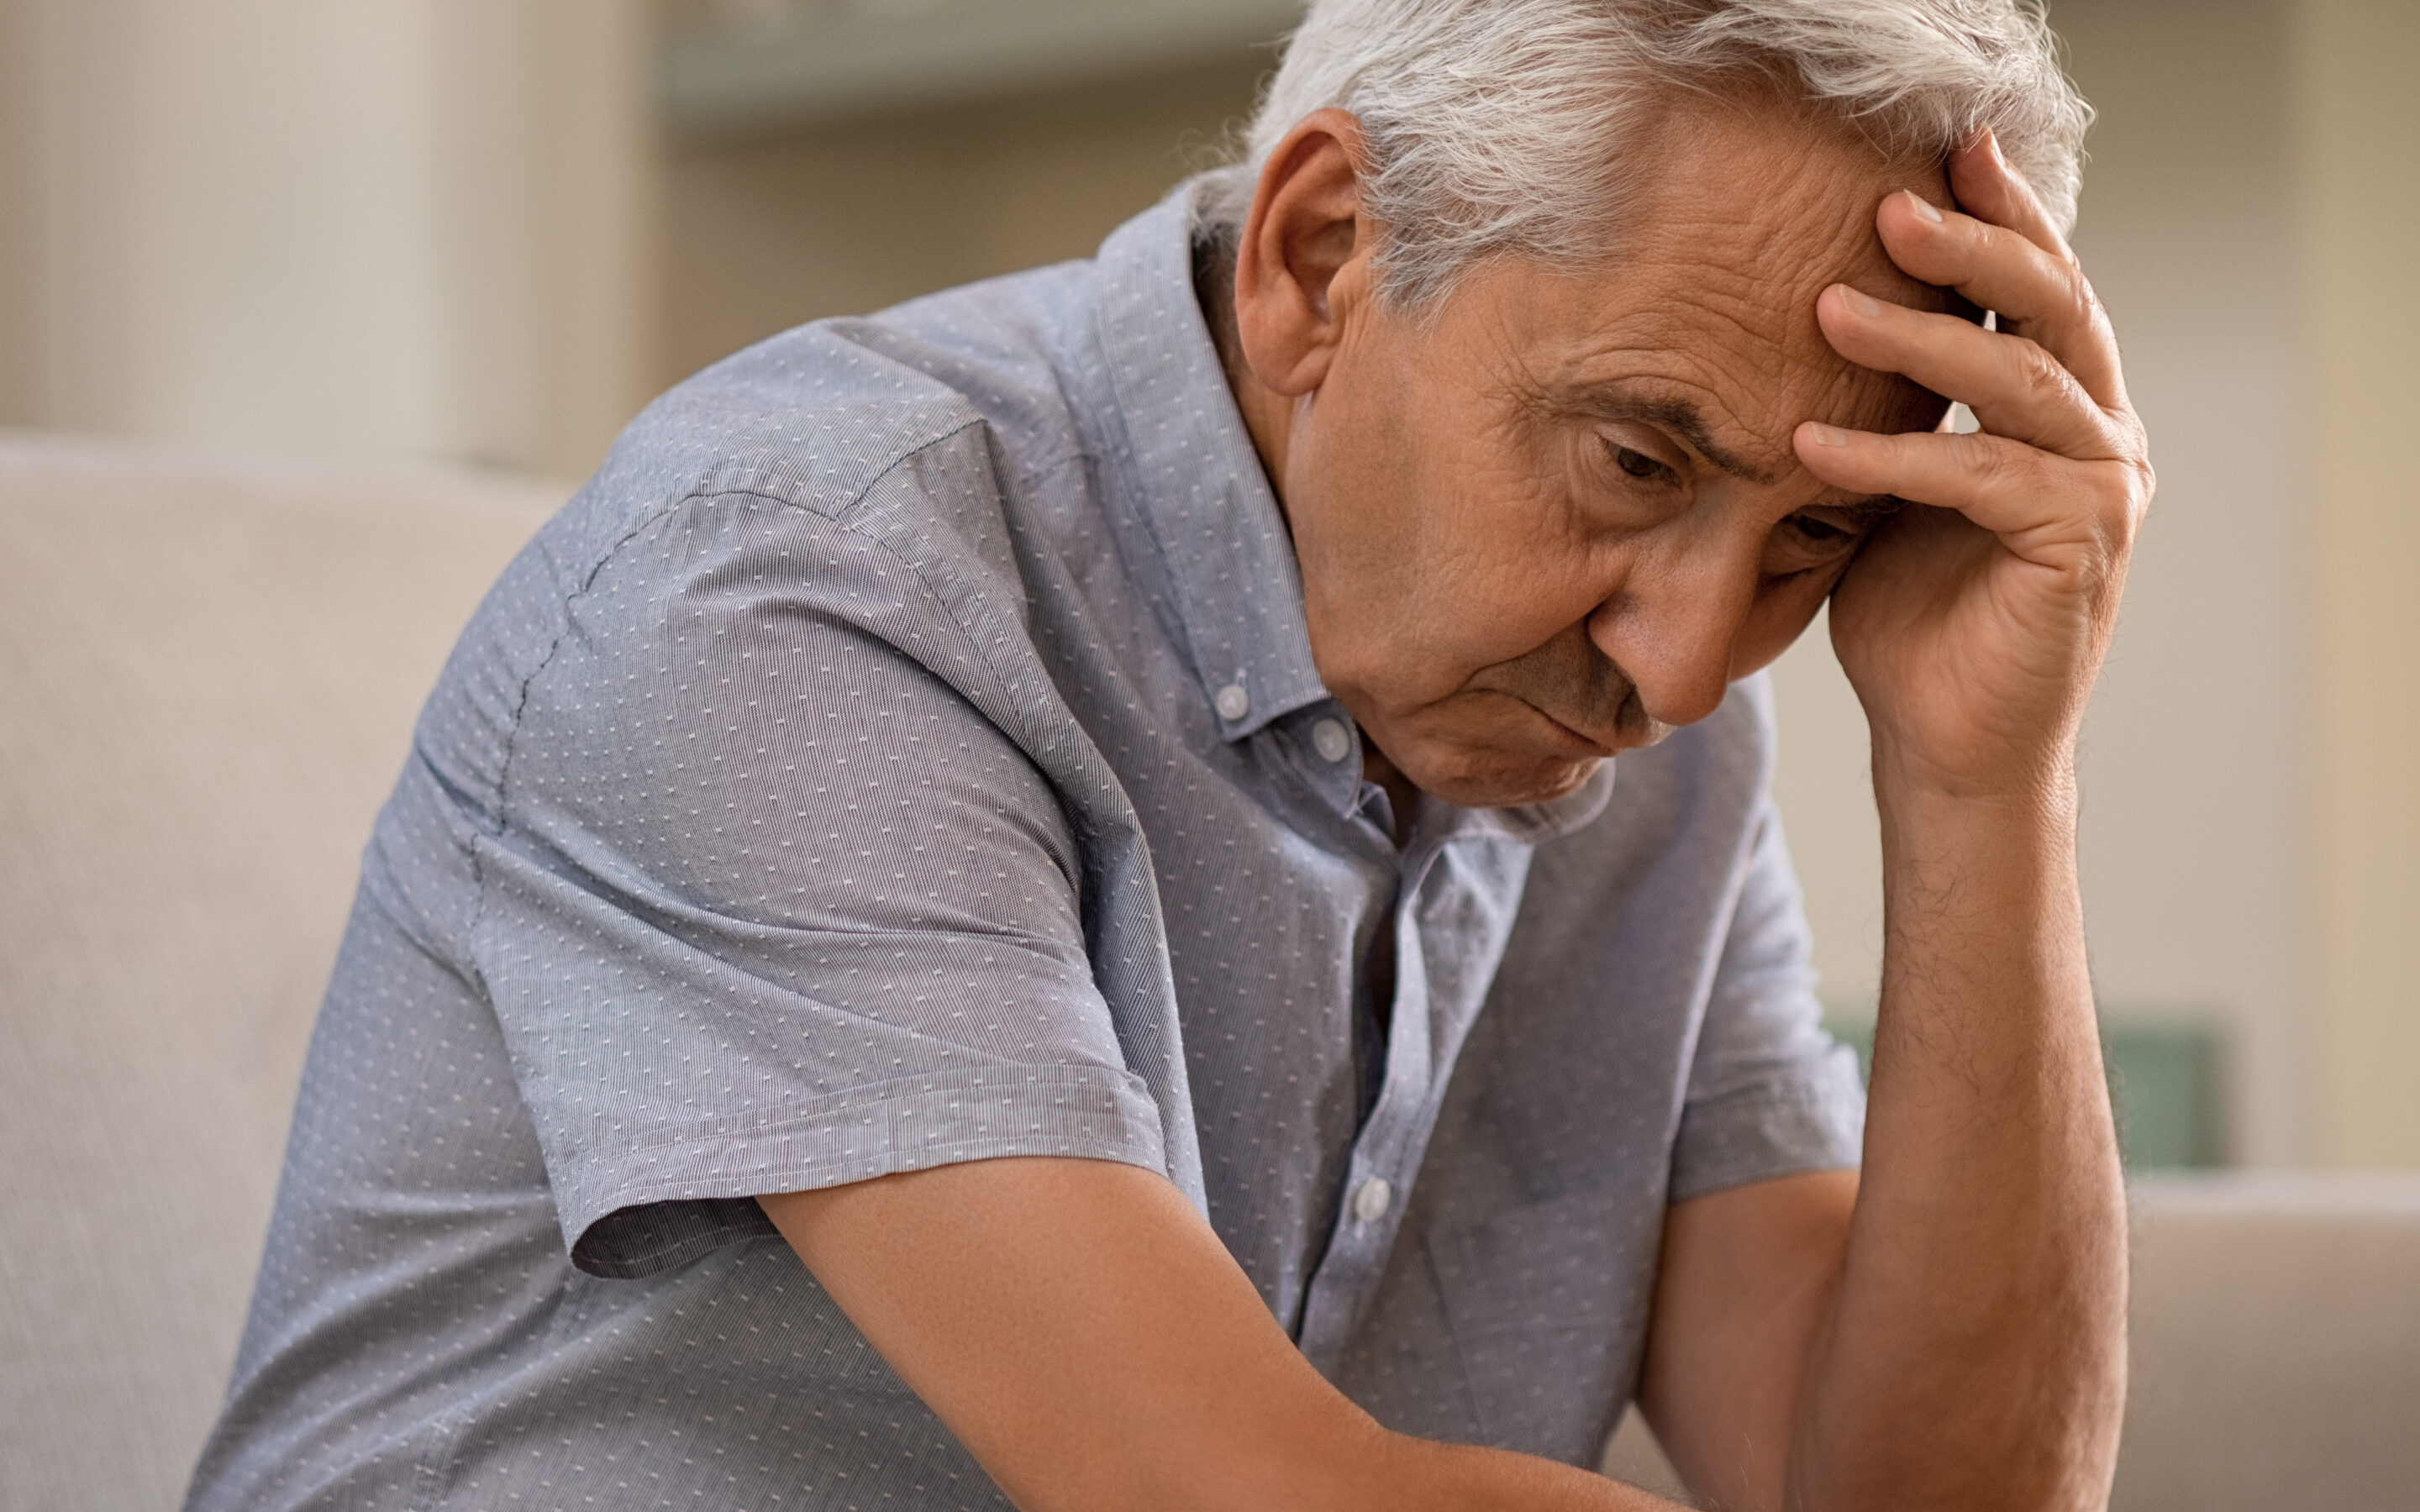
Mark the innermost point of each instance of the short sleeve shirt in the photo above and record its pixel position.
(907, 750)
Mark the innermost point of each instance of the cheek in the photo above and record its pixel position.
(1517, 543)
(1781, 614)
(1461, 546)
(1440, 535)
(1347, 482)
(1511, 575)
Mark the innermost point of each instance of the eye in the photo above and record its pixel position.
(1637, 464)
(1807, 542)
(1816, 532)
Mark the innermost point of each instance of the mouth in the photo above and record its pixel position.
(1573, 741)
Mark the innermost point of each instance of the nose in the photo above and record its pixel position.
(1674, 632)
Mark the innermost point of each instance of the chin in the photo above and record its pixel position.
(1499, 780)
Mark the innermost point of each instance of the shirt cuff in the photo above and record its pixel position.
(1811, 1119)
(680, 1197)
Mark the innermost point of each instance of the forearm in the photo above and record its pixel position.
(1116, 1357)
(1421, 1476)
(1974, 1353)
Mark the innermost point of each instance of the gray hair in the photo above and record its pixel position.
(1497, 126)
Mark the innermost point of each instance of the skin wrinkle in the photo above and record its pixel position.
(1474, 674)
(1613, 401)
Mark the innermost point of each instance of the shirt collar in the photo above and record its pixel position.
(1197, 481)
(1528, 823)
(1199, 489)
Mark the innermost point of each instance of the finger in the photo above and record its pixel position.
(2037, 294)
(1989, 190)
(2047, 508)
(2068, 317)
(2015, 387)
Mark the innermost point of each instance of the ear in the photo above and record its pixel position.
(1304, 261)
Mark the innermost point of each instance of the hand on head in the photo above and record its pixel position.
(1972, 629)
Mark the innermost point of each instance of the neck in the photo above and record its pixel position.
(1268, 414)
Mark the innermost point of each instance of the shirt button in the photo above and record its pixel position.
(1329, 738)
(1371, 1202)
(1232, 702)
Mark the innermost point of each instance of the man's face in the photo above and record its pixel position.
(1558, 517)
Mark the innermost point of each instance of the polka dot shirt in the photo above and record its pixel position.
(907, 750)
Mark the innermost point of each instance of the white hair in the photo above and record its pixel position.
(1497, 126)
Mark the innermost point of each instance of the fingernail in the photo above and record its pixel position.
(1860, 302)
(1825, 434)
(1991, 145)
(1923, 207)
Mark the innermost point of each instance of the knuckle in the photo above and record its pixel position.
(2114, 511)
(2113, 514)
(2001, 464)
(2083, 309)
(2138, 447)
(2145, 487)
(2035, 368)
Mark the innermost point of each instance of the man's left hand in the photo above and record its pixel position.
(1972, 629)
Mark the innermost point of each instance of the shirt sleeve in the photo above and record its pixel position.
(772, 906)
(1771, 1093)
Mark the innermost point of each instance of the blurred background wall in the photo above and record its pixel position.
(486, 230)
(414, 227)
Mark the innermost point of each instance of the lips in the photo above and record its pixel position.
(1578, 744)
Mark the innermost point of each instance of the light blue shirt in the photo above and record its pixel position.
(907, 750)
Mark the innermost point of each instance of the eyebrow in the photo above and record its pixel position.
(1873, 508)
(1678, 415)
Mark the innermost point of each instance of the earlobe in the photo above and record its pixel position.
(1302, 262)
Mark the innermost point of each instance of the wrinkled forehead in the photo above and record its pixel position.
(1739, 217)
(1765, 185)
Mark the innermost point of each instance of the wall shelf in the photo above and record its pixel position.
(800, 65)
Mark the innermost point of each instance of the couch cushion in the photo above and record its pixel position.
(2275, 1345)
(209, 668)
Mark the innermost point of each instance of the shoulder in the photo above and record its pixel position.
(816, 415)
(848, 471)
(910, 430)
(812, 419)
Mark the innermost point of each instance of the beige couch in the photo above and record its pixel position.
(207, 671)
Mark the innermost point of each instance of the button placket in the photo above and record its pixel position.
(1378, 1176)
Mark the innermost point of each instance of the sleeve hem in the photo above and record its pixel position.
(1813, 1120)
(1081, 1112)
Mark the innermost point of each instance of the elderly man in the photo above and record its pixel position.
(1027, 898)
